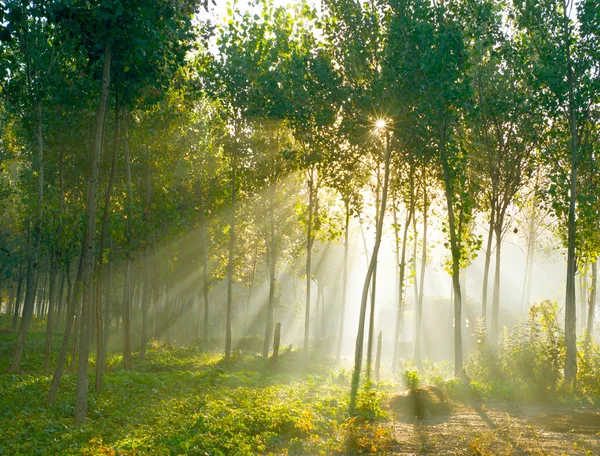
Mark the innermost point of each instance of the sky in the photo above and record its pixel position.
(220, 9)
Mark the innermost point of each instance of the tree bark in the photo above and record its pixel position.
(570, 303)
(100, 345)
(365, 292)
(591, 306)
(81, 393)
(127, 302)
(51, 300)
(230, 264)
(309, 243)
(486, 267)
(73, 297)
(276, 340)
(147, 296)
(419, 310)
(494, 333)
(15, 318)
(373, 288)
(344, 285)
(272, 263)
(400, 305)
(32, 270)
(456, 256)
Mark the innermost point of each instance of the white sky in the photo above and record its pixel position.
(220, 10)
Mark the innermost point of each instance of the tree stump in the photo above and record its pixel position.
(276, 339)
(378, 358)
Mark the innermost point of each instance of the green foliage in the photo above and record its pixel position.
(187, 401)
(411, 380)
(528, 362)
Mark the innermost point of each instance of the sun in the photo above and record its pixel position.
(380, 123)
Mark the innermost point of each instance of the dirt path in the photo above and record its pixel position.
(502, 429)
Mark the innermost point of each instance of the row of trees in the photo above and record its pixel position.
(128, 125)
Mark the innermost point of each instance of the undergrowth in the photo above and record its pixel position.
(183, 400)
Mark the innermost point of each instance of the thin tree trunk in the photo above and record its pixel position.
(344, 285)
(456, 256)
(145, 303)
(570, 370)
(419, 310)
(230, 264)
(583, 298)
(204, 248)
(127, 297)
(400, 306)
(107, 309)
(15, 318)
(127, 302)
(371, 334)
(73, 298)
(32, 270)
(272, 253)
(486, 267)
(415, 282)
(100, 332)
(81, 393)
(378, 357)
(496, 296)
(50, 319)
(365, 292)
(591, 306)
(309, 242)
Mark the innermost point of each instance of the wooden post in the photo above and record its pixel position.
(378, 359)
(276, 339)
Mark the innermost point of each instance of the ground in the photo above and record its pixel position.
(495, 428)
(188, 401)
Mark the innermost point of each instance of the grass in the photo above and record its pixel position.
(187, 401)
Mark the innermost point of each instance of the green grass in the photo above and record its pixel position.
(186, 401)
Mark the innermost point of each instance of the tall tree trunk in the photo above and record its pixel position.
(358, 355)
(591, 306)
(73, 298)
(456, 256)
(373, 287)
(272, 253)
(21, 276)
(419, 310)
(415, 278)
(583, 297)
(204, 249)
(81, 393)
(32, 270)
(101, 332)
(230, 264)
(51, 300)
(127, 302)
(570, 303)
(344, 285)
(107, 309)
(400, 305)
(147, 296)
(486, 267)
(309, 243)
(494, 333)
(531, 237)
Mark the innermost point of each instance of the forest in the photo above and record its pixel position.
(299, 227)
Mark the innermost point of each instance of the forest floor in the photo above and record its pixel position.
(188, 401)
(502, 428)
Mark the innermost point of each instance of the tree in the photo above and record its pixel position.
(560, 64)
(426, 66)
